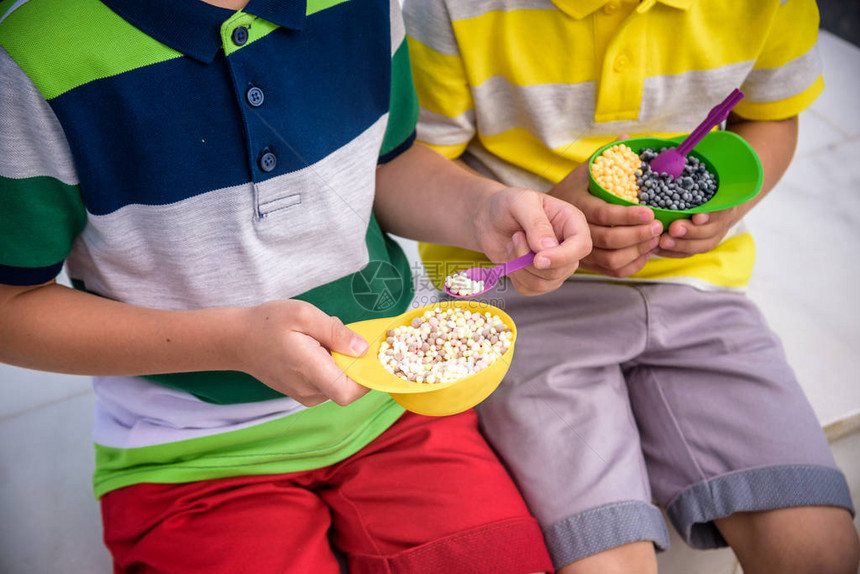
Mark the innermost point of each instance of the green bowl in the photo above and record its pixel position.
(728, 156)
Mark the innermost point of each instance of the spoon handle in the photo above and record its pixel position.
(717, 114)
(516, 264)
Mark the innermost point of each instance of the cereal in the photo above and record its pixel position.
(460, 284)
(615, 171)
(692, 188)
(444, 346)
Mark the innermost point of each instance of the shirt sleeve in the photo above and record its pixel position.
(403, 105)
(787, 75)
(447, 116)
(42, 210)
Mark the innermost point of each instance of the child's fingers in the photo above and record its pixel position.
(539, 233)
(330, 332)
(615, 264)
(600, 212)
(571, 227)
(319, 369)
(624, 236)
(321, 372)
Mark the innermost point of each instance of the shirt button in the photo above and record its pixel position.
(622, 62)
(255, 96)
(268, 161)
(610, 7)
(240, 35)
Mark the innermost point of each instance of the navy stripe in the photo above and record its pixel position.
(22, 276)
(173, 130)
(155, 135)
(385, 158)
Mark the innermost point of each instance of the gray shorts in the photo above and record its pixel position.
(621, 396)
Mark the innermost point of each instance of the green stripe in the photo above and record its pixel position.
(87, 42)
(317, 5)
(404, 101)
(312, 438)
(39, 218)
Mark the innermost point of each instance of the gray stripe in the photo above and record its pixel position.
(559, 114)
(774, 84)
(427, 21)
(32, 143)
(605, 527)
(441, 130)
(693, 511)
(398, 30)
(241, 245)
(474, 8)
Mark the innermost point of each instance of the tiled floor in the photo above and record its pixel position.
(808, 232)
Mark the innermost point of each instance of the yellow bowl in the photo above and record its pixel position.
(432, 399)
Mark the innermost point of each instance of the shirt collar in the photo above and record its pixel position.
(193, 27)
(579, 9)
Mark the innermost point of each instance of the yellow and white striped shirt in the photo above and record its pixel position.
(526, 90)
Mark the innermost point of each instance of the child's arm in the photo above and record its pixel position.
(424, 196)
(775, 143)
(282, 343)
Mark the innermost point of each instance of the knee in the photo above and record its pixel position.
(806, 540)
(838, 554)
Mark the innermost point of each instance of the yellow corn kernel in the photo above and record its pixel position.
(615, 171)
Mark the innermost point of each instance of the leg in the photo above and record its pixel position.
(561, 422)
(264, 525)
(804, 540)
(428, 495)
(726, 428)
(624, 559)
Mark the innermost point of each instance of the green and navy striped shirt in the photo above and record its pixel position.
(176, 155)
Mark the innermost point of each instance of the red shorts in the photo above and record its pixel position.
(427, 496)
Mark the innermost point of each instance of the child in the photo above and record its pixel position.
(651, 378)
(216, 178)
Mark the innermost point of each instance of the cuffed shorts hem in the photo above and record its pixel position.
(693, 511)
(605, 527)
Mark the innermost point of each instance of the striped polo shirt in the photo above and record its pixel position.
(526, 90)
(176, 155)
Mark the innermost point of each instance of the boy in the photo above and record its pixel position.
(216, 176)
(652, 377)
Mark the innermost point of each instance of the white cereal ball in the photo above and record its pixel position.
(444, 346)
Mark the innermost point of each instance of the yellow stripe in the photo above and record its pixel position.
(447, 93)
(527, 36)
(794, 32)
(779, 110)
(449, 151)
(729, 264)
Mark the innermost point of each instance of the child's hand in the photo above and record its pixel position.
(514, 220)
(700, 234)
(286, 346)
(624, 237)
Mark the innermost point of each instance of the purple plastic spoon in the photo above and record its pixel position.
(673, 160)
(491, 275)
